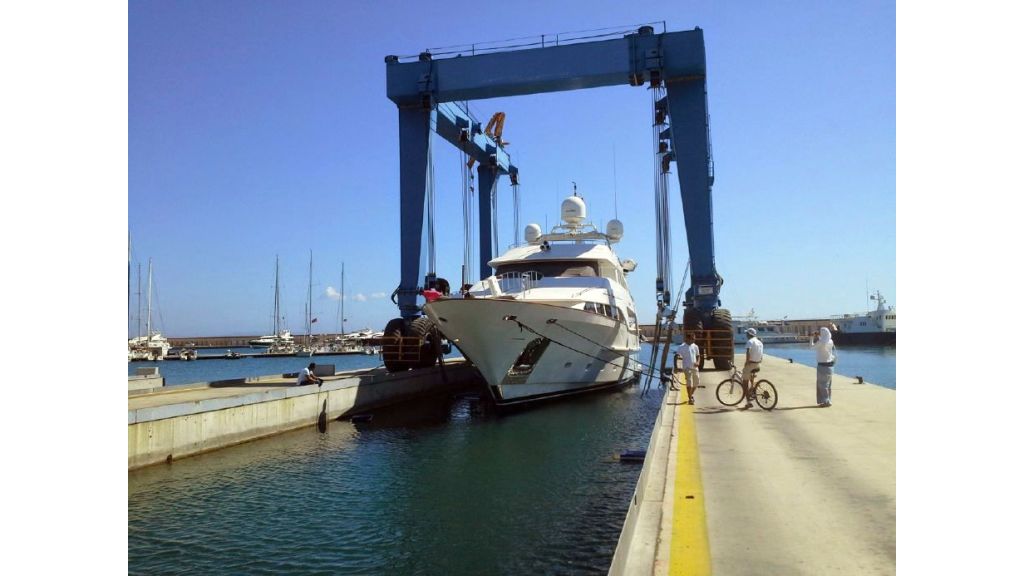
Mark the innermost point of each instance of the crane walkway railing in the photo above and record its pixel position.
(713, 342)
(537, 41)
(399, 348)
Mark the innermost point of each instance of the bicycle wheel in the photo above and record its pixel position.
(765, 395)
(730, 392)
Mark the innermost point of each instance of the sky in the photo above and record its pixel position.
(259, 130)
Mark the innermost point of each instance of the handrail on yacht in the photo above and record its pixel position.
(518, 281)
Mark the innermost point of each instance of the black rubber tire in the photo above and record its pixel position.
(423, 328)
(729, 392)
(722, 352)
(765, 395)
(693, 322)
(394, 329)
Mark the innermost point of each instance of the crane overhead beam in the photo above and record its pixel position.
(627, 60)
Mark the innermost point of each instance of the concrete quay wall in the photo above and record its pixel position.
(171, 423)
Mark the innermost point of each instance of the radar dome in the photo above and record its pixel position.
(614, 230)
(574, 210)
(532, 233)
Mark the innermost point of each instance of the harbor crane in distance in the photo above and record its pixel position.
(673, 60)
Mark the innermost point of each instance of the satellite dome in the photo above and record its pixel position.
(533, 233)
(574, 210)
(614, 230)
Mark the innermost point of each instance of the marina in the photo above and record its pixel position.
(513, 415)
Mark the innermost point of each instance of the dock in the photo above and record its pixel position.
(798, 490)
(167, 423)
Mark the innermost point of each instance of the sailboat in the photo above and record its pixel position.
(308, 348)
(281, 341)
(348, 343)
(152, 346)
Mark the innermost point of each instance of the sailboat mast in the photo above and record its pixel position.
(129, 284)
(309, 302)
(277, 296)
(149, 303)
(138, 301)
(343, 297)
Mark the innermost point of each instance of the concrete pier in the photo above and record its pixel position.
(173, 422)
(799, 490)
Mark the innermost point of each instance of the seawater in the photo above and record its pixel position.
(428, 488)
(876, 364)
(176, 372)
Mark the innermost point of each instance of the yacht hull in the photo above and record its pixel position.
(525, 357)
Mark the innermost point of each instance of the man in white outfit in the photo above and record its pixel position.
(826, 352)
(755, 352)
(689, 353)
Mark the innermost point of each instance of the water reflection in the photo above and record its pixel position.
(440, 486)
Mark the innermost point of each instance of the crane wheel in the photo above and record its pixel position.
(393, 361)
(423, 328)
(722, 346)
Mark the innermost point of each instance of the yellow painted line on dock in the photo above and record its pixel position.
(689, 552)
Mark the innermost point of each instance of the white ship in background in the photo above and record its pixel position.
(876, 327)
(768, 331)
(265, 341)
(556, 318)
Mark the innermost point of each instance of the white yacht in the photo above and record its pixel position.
(282, 338)
(556, 318)
(768, 331)
(354, 343)
(153, 346)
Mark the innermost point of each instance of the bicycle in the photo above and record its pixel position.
(732, 390)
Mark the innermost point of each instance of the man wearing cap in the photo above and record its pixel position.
(755, 351)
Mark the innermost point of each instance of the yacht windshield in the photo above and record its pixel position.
(552, 268)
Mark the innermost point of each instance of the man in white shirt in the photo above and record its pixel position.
(755, 352)
(689, 353)
(307, 376)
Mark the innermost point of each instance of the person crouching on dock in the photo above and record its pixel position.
(308, 377)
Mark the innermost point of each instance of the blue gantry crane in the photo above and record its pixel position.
(673, 63)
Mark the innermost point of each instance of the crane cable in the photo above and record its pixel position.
(662, 209)
(431, 255)
(658, 329)
(467, 216)
(515, 212)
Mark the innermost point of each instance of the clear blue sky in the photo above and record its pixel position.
(262, 128)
